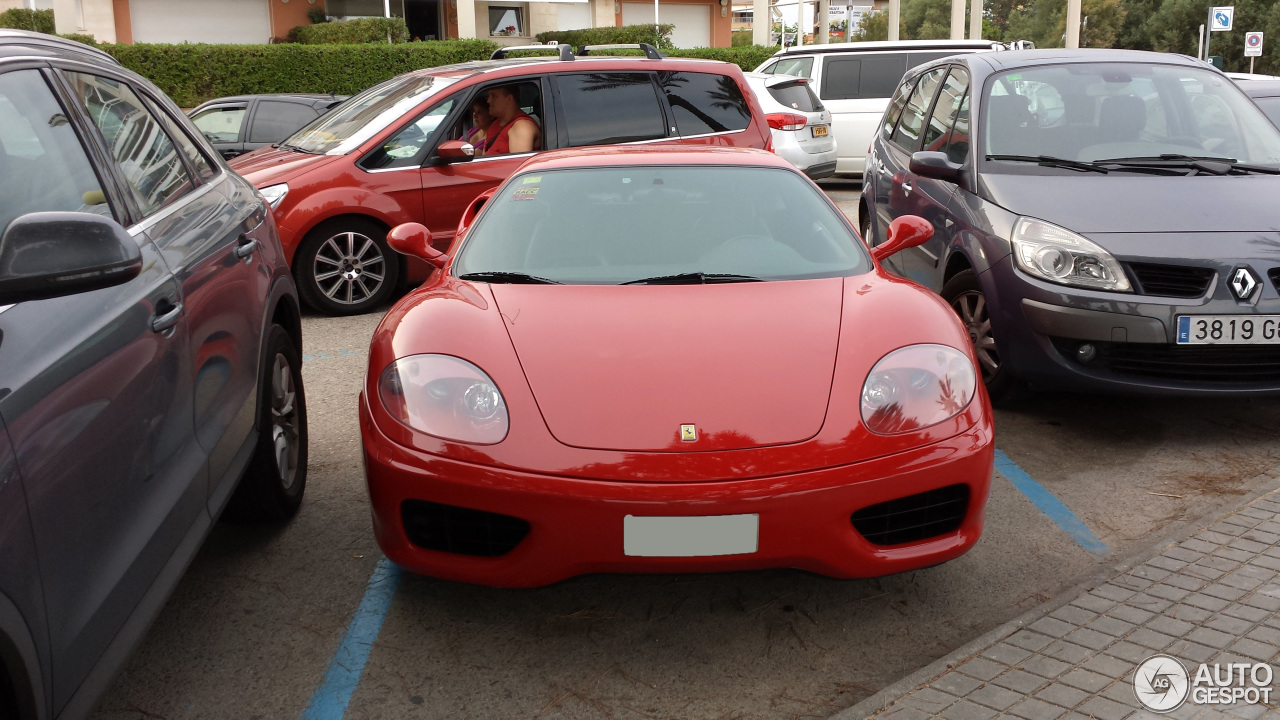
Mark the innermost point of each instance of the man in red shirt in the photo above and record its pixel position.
(512, 131)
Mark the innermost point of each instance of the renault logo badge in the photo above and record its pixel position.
(689, 433)
(1244, 283)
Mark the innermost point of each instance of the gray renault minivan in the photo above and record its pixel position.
(1103, 219)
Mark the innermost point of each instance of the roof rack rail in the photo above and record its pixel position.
(565, 50)
(650, 51)
(1019, 45)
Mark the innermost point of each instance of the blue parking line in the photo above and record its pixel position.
(1049, 505)
(330, 699)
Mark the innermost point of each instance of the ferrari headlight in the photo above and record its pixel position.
(274, 194)
(915, 387)
(445, 396)
(1058, 255)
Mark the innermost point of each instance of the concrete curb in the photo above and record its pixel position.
(1184, 529)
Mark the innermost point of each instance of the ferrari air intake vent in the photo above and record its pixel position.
(459, 530)
(915, 517)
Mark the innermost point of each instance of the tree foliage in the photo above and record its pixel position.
(1044, 22)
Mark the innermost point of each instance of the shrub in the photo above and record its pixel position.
(612, 36)
(360, 30)
(81, 38)
(748, 58)
(317, 15)
(26, 19)
(192, 74)
(742, 38)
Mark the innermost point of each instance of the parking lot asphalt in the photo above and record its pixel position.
(254, 626)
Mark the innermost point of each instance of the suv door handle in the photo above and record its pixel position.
(169, 314)
(246, 246)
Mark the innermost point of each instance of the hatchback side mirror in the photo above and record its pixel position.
(53, 254)
(936, 165)
(415, 239)
(905, 232)
(452, 151)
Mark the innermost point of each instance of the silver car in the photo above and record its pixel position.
(800, 125)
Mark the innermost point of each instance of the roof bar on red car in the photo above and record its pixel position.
(650, 51)
(565, 50)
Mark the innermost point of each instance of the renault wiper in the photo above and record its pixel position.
(511, 278)
(1050, 161)
(693, 278)
(1210, 165)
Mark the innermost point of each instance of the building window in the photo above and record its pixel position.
(505, 20)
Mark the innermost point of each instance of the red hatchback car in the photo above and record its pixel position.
(664, 360)
(413, 149)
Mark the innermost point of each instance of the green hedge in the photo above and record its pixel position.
(612, 36)
(346, 32)
(80, 38)
(26, 19)
(748, 57)
(192, 74)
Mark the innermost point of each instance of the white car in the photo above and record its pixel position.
(800, 125)
(855, 80)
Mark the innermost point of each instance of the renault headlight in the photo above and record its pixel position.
(445, 396)
(1058, 255)
(274, 194)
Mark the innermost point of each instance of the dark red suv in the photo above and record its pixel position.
(399, 152)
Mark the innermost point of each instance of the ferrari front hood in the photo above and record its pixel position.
(677, 368)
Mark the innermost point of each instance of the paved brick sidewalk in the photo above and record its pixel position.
(1214, 597)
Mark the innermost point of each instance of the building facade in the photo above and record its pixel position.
(698, 23)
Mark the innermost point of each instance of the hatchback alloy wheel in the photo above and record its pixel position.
(971, 306)
(350, 268)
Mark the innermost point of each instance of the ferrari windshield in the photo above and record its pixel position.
(658, 225)
(1088, 112)
(349, 125)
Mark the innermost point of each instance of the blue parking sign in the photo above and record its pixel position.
(1220, 18)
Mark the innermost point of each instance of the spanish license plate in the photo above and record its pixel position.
(703, 536)
(819, 130)
(1229, 329)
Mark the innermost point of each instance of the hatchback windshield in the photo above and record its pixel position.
(347, 126)
(657, 224)
(1102, 111)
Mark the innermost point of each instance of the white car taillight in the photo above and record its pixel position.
(786, 121)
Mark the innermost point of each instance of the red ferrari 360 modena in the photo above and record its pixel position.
(670, 360)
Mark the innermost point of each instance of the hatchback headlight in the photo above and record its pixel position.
(1058, 255)
(274, 194)
(445, 396)
(915, 387)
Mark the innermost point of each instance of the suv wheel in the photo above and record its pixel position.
(272, 486)
(963, 293)
(864, 225)
(345, 267)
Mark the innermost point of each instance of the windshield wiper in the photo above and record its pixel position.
(512, 278)
(693, 278)
(1051, 161)
(294, 148)
(1210, 165)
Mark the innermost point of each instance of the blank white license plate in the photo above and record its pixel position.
(1229, 329)
(704, 536)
